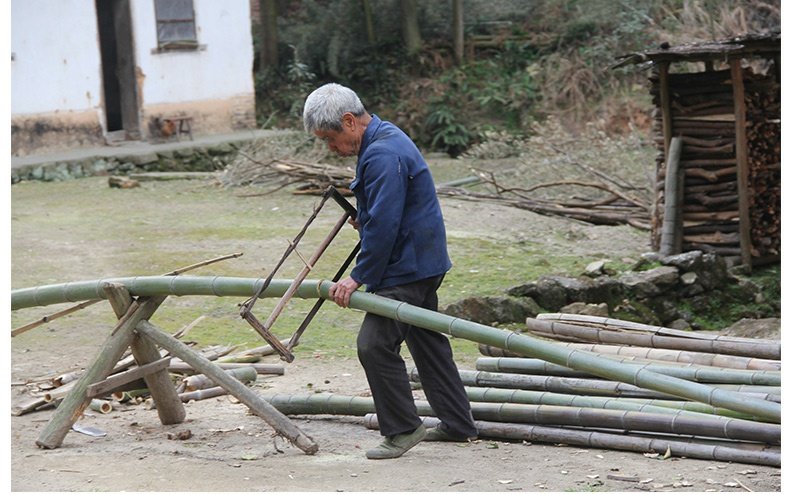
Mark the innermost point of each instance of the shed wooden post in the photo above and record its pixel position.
(75, 402)
(169, 406)
(742, 162)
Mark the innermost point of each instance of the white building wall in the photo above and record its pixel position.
(56, 59)
(220, 69)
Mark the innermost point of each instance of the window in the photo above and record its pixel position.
(175, 24)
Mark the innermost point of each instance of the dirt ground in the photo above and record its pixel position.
(228, 449)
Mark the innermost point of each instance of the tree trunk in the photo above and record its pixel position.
(369, 22)
(458, 31)
(269, 56)
(411, 28)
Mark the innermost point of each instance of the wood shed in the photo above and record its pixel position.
(717, 129)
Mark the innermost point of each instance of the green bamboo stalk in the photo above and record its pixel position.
(561, 330)
(455, 327)
(569, 385)
(697, 374)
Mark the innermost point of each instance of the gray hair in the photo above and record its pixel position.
(324, 108)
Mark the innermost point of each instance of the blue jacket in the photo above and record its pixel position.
(400, 222)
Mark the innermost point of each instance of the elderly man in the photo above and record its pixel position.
(404, 257)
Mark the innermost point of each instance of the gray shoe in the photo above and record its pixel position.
(395, 446)
(439, 434)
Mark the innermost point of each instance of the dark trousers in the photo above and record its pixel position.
(378, 348)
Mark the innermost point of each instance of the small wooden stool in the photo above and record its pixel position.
(183, 125)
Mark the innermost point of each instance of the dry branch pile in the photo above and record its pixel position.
(286, 160)
(585, 175)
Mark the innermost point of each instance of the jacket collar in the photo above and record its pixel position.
(370, 133)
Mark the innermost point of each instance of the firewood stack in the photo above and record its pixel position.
(702, 111)
(764, 135)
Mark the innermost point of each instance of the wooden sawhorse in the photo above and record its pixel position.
(133, 329)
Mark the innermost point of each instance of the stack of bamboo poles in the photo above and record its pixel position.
(702, 109)
(747, 366)
(245, 366)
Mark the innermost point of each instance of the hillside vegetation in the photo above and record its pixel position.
(536, 59)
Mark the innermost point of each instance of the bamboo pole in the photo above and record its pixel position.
(272, 369)
(610, 323)
(596, 387)
(278, 421)
(168, 405)
(499, 395)
(101, 406)
(595, 439)
(664, 355)
(400, 311)
(697, 374)
(246, 375)
(202, 394)
(585, 333)
(76, 400)
(625, 420)
(88, 303)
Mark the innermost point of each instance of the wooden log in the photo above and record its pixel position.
(708, 163)
(113, 348)
(715, 238)
(268, 413)
(112, 383)
(715, 249)
(168, 405)
(712, 216)
(672, 226)
(27, 406)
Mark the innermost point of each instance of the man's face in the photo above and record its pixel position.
(345, 142)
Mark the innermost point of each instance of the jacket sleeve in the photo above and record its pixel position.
(385, 184)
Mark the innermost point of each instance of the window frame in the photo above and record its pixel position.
(188, 43)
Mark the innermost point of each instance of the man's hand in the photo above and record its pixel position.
(342, 290)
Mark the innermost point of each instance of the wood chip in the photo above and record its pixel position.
(624, 478)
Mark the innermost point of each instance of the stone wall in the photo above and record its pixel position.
(670, 291)
(203, 159)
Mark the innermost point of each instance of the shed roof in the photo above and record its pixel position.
(763, 45)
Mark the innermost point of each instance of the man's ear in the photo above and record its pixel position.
(349, 121)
